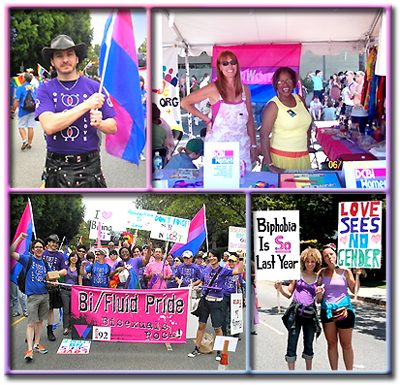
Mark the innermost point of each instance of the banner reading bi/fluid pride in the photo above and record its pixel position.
(146, 316)
(276, 244)
(360, 234)
(258, 62)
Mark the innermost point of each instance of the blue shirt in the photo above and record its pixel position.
(231, 284)
(100, 274)
(181, 160)
(35, 281)
(20, 96)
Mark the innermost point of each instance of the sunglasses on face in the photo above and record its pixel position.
(176, 260)
(226, 62)
(287, 81)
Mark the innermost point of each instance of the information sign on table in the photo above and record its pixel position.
(221, 165)
(370, 174)
(310, 180)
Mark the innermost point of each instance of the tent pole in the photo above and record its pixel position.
(190, 117)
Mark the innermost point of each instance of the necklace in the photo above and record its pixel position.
(68, 88)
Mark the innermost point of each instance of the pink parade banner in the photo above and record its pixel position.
(146, 316)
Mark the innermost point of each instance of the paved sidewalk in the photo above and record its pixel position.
(371, 294)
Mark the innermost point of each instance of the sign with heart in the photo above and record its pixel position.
(360, 235)
(106, 214)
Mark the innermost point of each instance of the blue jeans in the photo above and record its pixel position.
(16, 296)
(308, 337)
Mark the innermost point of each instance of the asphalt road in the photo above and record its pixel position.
(370, 340)
(117, 357)
(26, 167)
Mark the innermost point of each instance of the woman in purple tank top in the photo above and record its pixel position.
(337, 314)
(302, 312)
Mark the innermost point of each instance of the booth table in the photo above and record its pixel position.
(336, 147)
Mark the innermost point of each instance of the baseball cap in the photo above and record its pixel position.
(101, 251)
(187, 254)
(232, 258)
(195, 145)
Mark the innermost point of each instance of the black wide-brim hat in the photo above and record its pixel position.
(62, 43)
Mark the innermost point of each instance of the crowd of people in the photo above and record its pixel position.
(328, 286)
(118, 267)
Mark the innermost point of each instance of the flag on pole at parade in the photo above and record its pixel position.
(119, 71)
(65, 253)
(41, 73)
(196, 237)
(25, 225)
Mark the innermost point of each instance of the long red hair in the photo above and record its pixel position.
(220, 82)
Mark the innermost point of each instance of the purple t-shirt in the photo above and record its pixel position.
(135, 263)
(80, 137)
(231, 284)
(218, 283)
(55, 259)
(187, 273)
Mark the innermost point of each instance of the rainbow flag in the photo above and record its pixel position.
(41, 73)
(196, 237)
(18, 80)
(118, 66)
(27, 226)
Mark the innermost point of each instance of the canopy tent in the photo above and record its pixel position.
(322, 30)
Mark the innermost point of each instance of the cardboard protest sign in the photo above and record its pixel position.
(236, 238)
(171, 229)
(276, 245)
(69, 346)
(140, 219)
(99, 229)
(360, 235)
(147, 316)
(236, 313)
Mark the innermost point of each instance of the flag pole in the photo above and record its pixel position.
(205, 226)
(108, 45)
(62, 242)
(33, 222)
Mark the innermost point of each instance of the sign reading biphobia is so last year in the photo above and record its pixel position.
(360, 234)
(276, 245)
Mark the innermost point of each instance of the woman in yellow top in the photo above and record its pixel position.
(286, 126)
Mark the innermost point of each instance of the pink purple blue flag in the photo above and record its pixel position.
(25, 225)
(119, 68)
(196, 237)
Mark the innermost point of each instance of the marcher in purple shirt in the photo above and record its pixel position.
(187, 272)
(302, 312)
(213, 298)
(72, 113)
(55, 260)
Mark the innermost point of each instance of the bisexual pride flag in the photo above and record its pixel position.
(258, 62)
(118, 66)
(27, 226)
(197, 235)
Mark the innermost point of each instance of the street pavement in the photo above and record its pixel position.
(26, 167)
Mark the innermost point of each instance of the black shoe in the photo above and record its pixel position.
(195, 353)
(254, 333)
(218, 356)
(50, 334)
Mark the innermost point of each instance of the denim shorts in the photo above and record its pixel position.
(27, 121)
(216, 310)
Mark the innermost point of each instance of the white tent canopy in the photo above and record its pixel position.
(322, 30)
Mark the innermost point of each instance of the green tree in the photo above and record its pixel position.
(33, 29)
(52, 214)
(222, 211)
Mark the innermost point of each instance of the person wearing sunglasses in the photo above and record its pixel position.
(286, 126)
(232, 113)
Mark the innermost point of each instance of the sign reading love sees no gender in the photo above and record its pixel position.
(360, 234)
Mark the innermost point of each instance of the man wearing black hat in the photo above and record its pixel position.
(55, 259)
(72, 113)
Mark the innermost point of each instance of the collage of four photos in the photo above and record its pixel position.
(199, 190)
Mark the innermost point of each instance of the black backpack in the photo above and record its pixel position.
(22, 275)
(29, 102)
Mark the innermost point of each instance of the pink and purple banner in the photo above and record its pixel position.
(258, 62)
(146, 316)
